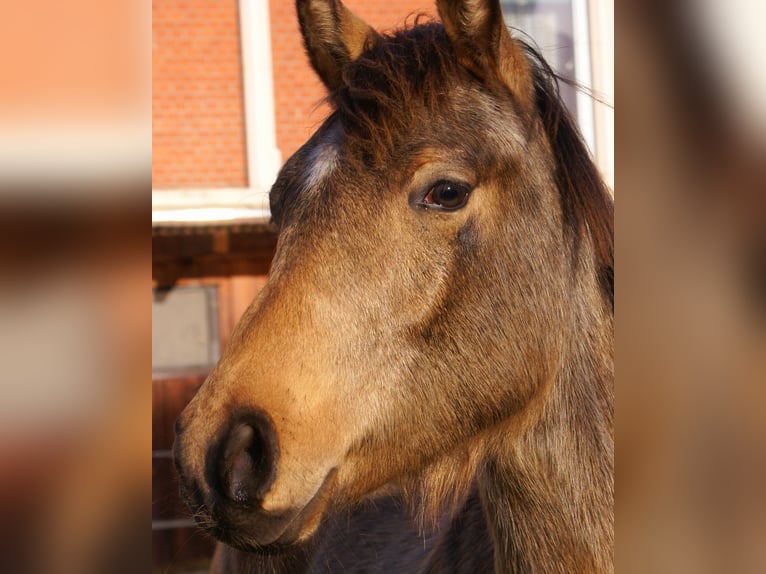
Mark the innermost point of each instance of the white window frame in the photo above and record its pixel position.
(601, 21)
(249, 204)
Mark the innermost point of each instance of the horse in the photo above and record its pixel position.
(425, 382)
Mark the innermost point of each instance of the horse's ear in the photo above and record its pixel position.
(333, 35)
(483, 44)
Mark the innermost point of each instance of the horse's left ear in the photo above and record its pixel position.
(334, 37)
(483, 44)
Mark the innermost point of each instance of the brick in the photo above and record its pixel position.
(198, 127)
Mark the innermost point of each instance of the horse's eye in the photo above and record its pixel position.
(447, 195)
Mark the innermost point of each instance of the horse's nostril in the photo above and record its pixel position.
(241, 459)
(248, 462)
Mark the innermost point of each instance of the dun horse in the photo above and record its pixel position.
(425, 383)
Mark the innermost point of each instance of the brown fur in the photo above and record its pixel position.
(462, 359)
(336, 33)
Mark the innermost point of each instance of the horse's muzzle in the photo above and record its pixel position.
(240, 466)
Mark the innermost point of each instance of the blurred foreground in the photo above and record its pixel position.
(75, 279)
(691, 287)
(75, 396)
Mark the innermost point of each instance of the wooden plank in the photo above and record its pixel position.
(169, 397)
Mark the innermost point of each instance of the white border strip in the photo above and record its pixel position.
(209, 206)
(583, 75)
(263, 157)
(602, 42)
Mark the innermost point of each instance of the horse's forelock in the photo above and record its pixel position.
(391, 87)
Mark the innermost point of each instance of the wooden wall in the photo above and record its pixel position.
(236, 261)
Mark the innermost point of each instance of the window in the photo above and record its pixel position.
(185, 328)
(561, 30)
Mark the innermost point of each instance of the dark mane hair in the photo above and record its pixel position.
(403, 71)
(586, 203)
(406, 71)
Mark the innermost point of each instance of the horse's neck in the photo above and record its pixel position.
(228, 560)
(548, 497)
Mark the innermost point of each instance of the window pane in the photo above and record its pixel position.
(185, 330)
(550, 25)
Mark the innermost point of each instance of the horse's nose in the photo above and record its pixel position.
(246, 463)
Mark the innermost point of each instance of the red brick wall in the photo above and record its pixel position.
(297, 91)
(198, 127)
(198, 130)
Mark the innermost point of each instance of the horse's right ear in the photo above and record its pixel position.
(333, 35)
(483, 45)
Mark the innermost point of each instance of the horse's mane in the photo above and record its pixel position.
(586, 203)
(405, 71)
